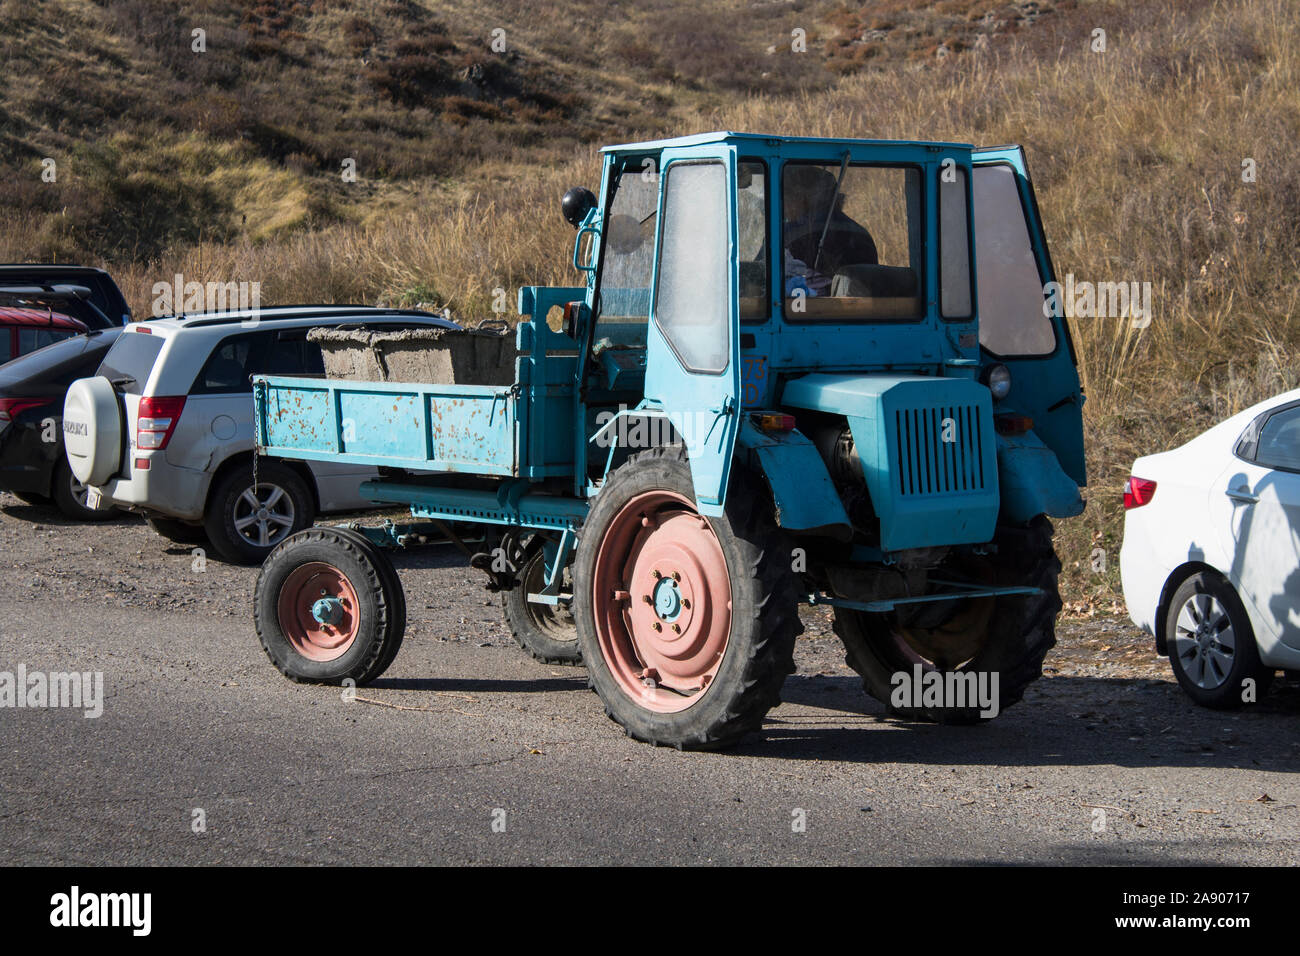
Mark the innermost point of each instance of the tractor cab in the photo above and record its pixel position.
(735, 279)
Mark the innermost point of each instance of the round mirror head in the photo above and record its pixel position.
(575, 205)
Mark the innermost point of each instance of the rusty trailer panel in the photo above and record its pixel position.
(473, 429)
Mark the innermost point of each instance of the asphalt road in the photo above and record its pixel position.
(467, 751)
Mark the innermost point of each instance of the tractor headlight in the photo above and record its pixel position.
(998, 380)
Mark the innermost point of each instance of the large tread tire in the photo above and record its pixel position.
(1246, 664)
(547, 633)
(219, 520)
(382, 606)
(1023, 631)
(759, 653)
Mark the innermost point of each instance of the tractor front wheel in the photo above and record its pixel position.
(686, 624)
(545, 631)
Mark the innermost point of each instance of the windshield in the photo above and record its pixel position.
(629, 234)
(623, 308)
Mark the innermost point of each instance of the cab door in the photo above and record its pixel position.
(1013, 269)
(692, 347)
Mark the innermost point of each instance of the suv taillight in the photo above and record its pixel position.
(1138, 492)
(156, 420)
(11, 408)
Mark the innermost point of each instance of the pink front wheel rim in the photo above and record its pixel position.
(662, 600)
(318, 612)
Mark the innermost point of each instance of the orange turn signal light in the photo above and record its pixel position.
(1012, 424)
(774, 422)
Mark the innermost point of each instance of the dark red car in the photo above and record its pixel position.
(26, 330)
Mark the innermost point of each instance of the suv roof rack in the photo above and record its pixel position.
(203, 320)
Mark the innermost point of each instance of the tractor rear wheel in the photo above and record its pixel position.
(545, 631)
(687, 624)
(1008, 635)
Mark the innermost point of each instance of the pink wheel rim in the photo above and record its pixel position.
(662, 599)
(314, 591)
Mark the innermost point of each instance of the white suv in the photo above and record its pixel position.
(165, 427)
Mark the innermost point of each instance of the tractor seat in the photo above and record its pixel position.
(871, 281)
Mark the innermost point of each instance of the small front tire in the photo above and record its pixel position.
(328, 607)
(545, 631)
(687, 624)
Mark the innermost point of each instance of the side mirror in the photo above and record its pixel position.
(575, 205)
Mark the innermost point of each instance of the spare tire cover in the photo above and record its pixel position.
(92, 430)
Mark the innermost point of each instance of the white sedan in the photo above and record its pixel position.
(1211, 557)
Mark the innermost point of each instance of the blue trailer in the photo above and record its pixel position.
(798, 371)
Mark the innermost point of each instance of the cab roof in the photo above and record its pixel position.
(769, 140)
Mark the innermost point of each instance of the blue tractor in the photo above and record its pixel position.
(799, 371)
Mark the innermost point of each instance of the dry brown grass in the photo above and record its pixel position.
(1136, 154)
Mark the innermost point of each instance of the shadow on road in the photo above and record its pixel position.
(488, 686)
(52, 516)
(1064, 721)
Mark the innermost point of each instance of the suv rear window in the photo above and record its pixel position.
(130, 360)
(230, 367)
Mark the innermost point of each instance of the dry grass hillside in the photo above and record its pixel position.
(228, 167)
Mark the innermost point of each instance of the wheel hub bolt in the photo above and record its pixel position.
(677, 629)
(686, 603)
(677, 577)
(656, 575)
(648, 599)
(657, 626)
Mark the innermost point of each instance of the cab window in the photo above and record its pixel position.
(852, 242)
(691, 295)
(1011, 309)
(623, 307)
(751, 221)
